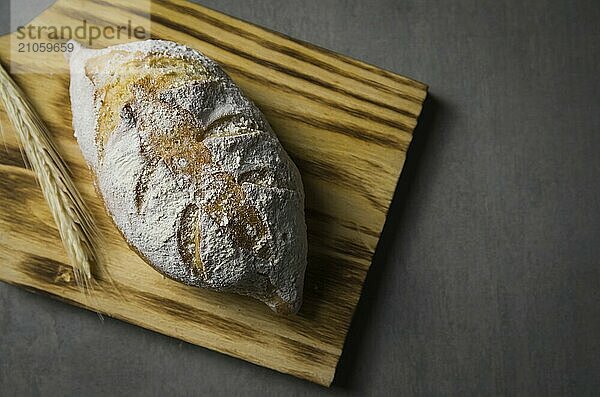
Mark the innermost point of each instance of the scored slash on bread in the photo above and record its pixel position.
(190, 171)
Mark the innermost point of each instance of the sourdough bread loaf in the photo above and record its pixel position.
(190, 171)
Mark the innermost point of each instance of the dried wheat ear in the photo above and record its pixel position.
(190, 171)
(73, 219)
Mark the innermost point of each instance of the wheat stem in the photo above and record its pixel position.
(73, 219)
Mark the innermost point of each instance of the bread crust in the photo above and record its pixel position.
(190, 171)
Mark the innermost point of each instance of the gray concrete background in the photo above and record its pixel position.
(486, 280)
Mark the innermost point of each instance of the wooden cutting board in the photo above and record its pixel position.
(346, 124)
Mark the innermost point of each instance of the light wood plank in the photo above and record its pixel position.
(347, 125)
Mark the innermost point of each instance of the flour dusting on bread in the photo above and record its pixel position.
(190, 171)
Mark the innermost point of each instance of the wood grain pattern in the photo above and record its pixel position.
(346, 124)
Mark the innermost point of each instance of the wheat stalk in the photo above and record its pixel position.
(73, 219)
